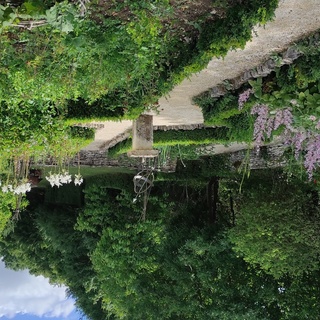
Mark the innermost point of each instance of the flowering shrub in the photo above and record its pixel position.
(301, 139)
(244, 97)
(312, 157)
(266, 122)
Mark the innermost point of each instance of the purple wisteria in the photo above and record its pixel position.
(244, 97)
(312, 157)
(301, 140)
(296, 141)
(283, 117)
(261, 124)
(266, 123)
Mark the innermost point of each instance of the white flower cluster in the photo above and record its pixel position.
(58, 179)
(78, 179)
(19, 189)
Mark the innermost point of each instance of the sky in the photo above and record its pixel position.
(26, 297)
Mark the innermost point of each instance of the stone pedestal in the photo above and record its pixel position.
(142, 138)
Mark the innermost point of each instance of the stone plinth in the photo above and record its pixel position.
(143, 153)
(142, 138)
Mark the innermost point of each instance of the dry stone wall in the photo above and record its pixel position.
(263, 70)
(268, 157)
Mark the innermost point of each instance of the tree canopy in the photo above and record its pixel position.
(117, 56)
(176, 264)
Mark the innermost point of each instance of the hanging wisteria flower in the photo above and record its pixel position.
(287, 118)
(261, 123)
(300, 139)
(266, 122)
(278, 119)
(297, 141)
(269, 127)
(78, 179)
(5, 189)
(244, 97)
(283, 117)
(312, 158)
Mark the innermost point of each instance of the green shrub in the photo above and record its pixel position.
(184, 143)
(123, 60)
(120, 148)
(82, 132)
(185, 137)
(122, 181)
(276, 228)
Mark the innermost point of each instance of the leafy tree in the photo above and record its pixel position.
(11, 206)
(7, 203)
(172, 266)
(151, 276)
(130, 53)
(277, 227)
(45, 242)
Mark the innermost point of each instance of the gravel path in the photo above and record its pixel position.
(294, 19)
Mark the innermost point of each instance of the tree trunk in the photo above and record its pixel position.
(212, 199)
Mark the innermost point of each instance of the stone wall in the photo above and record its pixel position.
(100, 159)
(263, 70)
(267, 157)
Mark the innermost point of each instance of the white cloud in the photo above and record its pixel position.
(21, 292)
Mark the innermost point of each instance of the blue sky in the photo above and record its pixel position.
(26, 297)
(73, 316)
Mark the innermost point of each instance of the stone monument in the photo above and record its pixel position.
(142, 138)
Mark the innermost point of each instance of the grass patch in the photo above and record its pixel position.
(181, 140)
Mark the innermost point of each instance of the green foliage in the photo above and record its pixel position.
(152, 277)
(29, 122)
(185, 144)
(185, 137)
(230, 33)
(300, 294)
(68, 194)
(120, 148)
(217, 110)
(204, 168)
(277, 227)
(237, 125)
(295, 85)
(173, 265)
(129, 261)
(111, 61)
(119, 181)
(45, 242)
(131, 55)
(82, 132)
(7, 205)
(99, 200)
